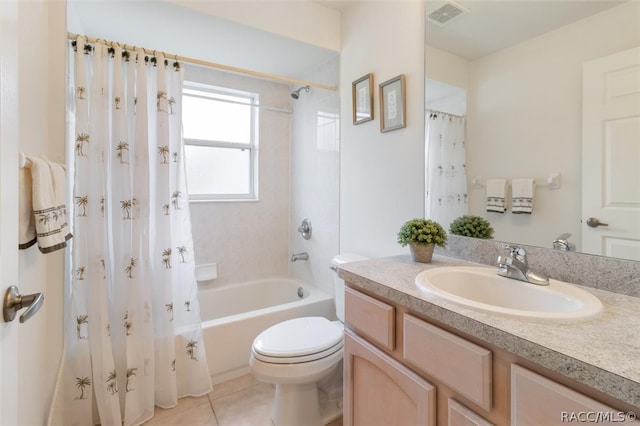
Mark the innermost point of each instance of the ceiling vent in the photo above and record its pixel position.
(446, 13)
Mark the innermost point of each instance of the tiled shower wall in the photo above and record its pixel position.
(299, 166)
(315, 174)
(249, 240)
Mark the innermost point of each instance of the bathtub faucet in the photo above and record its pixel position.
(300, 256)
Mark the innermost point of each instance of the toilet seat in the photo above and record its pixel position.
(298, 359)
(298, 340)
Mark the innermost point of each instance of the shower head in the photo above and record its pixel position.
(296, 93)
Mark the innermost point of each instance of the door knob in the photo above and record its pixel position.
(593, 222)
(14, 301)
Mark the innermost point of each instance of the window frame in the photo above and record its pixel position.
(252, 146)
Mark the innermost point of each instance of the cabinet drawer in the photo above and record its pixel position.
(457, 363)
(459, 415)
(370, 317)
(536, 400)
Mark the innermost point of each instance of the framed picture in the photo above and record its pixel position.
(362, 94)
(392, 104)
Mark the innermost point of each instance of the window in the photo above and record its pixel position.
(220, 142)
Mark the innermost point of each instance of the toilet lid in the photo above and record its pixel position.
(298, 337)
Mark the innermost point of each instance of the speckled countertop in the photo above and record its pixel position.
(603, 353)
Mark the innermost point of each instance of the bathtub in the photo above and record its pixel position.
(233, 315)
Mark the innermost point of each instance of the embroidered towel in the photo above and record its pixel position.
(496, 191)
(522, 193)
(48, 193)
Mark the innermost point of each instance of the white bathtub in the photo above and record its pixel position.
(233, 315)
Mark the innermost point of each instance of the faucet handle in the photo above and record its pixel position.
(562, 243)
(516, 252)
(513, 250)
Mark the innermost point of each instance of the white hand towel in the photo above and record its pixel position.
(496, 191)
(49, 210)
(26, 221)
(522, 192)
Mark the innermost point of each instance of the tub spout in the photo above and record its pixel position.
(300, 256)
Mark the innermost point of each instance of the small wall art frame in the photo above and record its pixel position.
(392, 104)
(362, 95)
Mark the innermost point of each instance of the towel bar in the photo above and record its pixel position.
(551, 182)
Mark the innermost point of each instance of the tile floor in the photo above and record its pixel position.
(239, 402)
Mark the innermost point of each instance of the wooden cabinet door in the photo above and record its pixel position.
(537, 400)
(381, 391)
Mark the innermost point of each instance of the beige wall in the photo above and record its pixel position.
(446, 67)
(305, 21)
(381, 174)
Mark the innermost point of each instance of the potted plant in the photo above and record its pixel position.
(471, 226)
(422, 235)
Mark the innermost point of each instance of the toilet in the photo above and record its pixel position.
(302, 357)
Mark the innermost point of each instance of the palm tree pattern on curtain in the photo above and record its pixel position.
(126, 348)
(446, 172)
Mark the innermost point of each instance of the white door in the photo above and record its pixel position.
(8, 206)
(611, 155)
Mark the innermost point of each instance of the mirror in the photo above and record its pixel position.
(513, 70)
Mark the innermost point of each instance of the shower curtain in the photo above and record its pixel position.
(132, 322)
(446, 174)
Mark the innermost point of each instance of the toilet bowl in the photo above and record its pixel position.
(302, 357)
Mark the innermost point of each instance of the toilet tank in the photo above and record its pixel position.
(338, 283)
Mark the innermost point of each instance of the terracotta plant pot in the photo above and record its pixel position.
(422, 252)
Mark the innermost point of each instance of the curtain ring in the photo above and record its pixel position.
(176, 64)
(164, 59)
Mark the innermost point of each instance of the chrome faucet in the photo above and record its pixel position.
(515, 266)
(300, 256)
(562, 243)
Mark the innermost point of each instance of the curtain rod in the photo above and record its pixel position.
(72, 36)
(448, 114)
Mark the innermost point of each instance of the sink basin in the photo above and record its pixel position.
(482, 289)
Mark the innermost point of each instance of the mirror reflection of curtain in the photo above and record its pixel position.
(446, 174)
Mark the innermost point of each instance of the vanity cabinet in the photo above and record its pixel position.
(401, 369)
